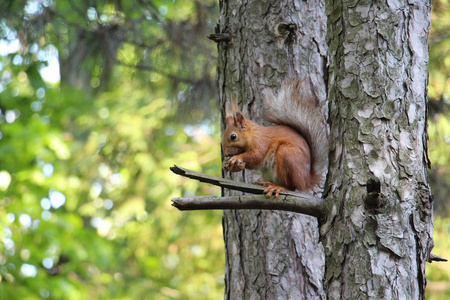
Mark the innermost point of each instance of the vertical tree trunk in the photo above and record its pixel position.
(376, 248)
(271, 255)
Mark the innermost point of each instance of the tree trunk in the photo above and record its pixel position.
(376, 245)
(378, 233)
(271, 255)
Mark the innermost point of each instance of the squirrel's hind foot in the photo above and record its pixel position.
(271, 188)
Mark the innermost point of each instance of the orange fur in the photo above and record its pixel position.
(256, 144)
(280, 152)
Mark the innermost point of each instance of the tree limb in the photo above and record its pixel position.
(287, 201)
(433, 257)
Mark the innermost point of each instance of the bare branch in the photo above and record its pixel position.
(159, 71)
(287, 201)
(304, 204)
(220, 37)
(433, 257)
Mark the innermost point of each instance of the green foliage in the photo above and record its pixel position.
(438, 145)
(439, 65)
(438, 274)
(84, 172)
(439, 131)
(439, 91)
(89, 183)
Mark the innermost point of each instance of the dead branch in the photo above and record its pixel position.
(287, 201)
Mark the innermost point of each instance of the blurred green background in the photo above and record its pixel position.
(97, 100)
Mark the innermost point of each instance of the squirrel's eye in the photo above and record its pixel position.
(233, 136)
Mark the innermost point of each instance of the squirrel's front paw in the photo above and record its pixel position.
(234, 164)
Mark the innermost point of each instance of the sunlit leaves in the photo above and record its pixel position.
(438, 274)
(90, 183)
(84, 179)
(5, 180)
(439, 66)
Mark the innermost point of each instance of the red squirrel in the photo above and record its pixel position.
(291, 155)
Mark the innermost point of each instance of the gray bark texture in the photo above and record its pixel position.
(269, 254)
(376, 247)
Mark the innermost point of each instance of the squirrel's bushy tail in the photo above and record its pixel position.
(296, 106)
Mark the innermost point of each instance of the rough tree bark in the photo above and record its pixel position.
(376, 247)
(270, 255)
(377, 232)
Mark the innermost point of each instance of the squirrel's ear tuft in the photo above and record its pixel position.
(240, 120)
(228, 110)
(231, 106)
(234, 105)
(230, 120)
